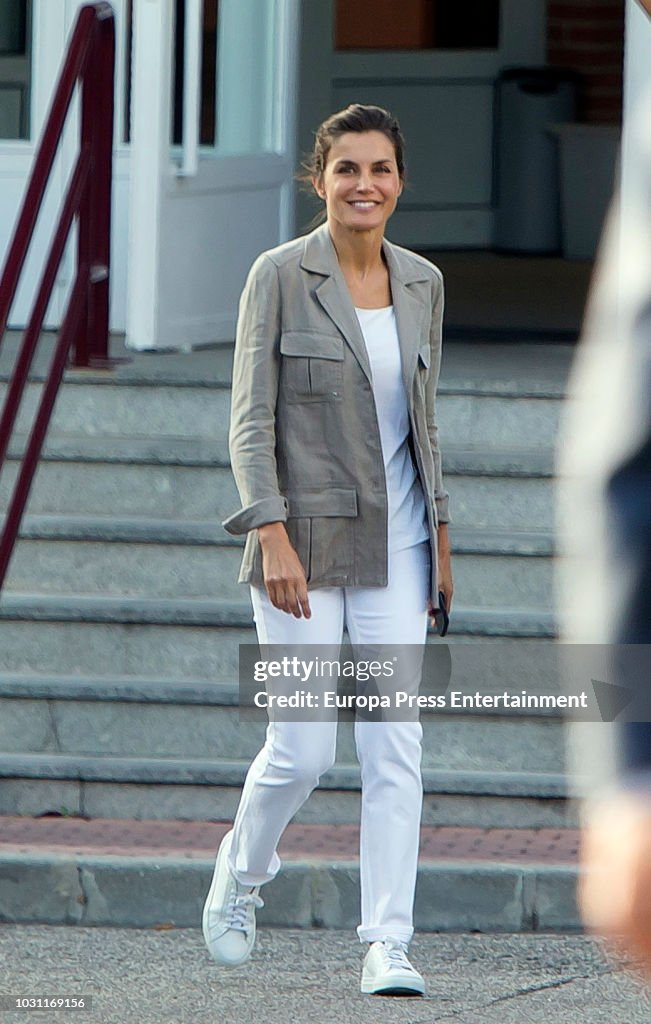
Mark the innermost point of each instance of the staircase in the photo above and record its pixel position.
(121, 618)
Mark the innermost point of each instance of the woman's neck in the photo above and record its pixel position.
(359, 252)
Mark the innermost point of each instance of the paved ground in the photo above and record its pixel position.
(313, 976)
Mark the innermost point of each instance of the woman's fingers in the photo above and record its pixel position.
(291, 596)
(303, 599)
(297, 601)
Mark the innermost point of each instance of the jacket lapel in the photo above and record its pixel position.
(408, 306)
(332, 293)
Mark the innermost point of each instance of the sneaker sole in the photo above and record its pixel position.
(222, 852)
(406, 988)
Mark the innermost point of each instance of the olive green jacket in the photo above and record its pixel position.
(304, 438)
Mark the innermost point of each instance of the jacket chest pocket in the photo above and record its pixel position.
(312, 367)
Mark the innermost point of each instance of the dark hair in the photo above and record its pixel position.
(358, 117)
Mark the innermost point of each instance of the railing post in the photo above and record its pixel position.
(80, 343)
(92, 344)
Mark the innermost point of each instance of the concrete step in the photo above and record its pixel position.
(481, 417)
(197, 790)
(189, 396)
(183, 637)
(175, 478)
(496, 568)
(157, 557)
(100, 406)
(156, 874)
(527, 742)
(500, 489)
(115, 566)
(182, 478)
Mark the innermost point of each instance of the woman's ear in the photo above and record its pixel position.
(317, 184)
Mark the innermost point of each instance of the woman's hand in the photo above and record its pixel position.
(445, 583)
(284, 576)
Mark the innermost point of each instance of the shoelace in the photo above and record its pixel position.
(396, 954)
(241, 909)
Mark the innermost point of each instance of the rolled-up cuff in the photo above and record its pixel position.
(442, 508)
(266, 510)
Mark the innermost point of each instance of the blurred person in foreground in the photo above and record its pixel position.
(604, 528)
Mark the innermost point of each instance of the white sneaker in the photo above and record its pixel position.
(387, 971)
(229, 913)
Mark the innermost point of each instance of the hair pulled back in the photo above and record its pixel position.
(358, 117)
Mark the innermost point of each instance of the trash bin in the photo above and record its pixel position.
(528, 101)
(585, 197)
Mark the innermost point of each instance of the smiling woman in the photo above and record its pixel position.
(334, 448)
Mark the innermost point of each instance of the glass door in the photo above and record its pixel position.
(212, 137)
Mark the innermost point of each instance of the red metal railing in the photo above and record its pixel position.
(84, 331)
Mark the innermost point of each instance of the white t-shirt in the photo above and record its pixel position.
(407, 514)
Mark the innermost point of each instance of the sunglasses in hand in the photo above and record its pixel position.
(441, 617)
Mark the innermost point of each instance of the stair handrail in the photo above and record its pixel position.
(84, 332)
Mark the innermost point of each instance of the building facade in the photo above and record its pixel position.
(216, 100)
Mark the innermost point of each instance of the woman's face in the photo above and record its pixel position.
(360, 182)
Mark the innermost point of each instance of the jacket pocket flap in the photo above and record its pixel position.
(331, 501)
(425, 355)
(321, 346)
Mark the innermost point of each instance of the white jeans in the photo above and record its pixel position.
(295, 754)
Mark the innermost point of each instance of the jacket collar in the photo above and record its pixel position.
(320, 257)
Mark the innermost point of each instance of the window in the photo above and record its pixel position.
(15, 68)
(417, 25)
(208, 72)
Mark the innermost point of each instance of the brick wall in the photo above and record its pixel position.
(588, 36)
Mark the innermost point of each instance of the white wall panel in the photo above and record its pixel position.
(199, 301)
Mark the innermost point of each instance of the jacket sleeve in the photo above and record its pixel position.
(252, 436)
(441, 496)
